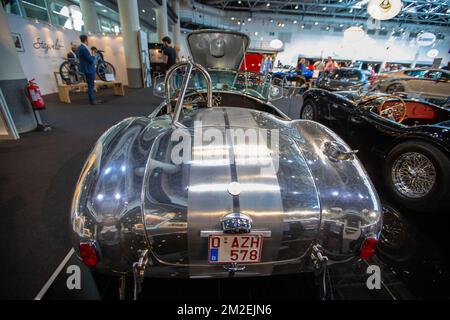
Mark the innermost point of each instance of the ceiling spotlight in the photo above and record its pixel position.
(316, 23)
(341, 25)
(268, 4)
(328, 28)
(271, 20)
(256, 33)
(249, 19)
(384, 10)
(295, 21)
(282, 25)
(303, 26)
(324, 8)
(232, 18)
(239, 23)
(239, 2)
(351, 10)
(296, 7)
(153, 18)
(104, 10)
(143, 10)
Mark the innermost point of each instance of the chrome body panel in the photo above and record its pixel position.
(131, 197)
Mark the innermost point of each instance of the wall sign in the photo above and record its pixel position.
(425, 39)
(40, 44)
(433, 53)
(18, 43)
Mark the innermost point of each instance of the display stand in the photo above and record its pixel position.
(65, 89)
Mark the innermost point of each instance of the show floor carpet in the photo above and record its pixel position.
(37, 178)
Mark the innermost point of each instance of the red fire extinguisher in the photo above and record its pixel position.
(35, 95)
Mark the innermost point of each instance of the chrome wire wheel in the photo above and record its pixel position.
(394, 88)
(393, 231)
(413, 175)
(308, 112)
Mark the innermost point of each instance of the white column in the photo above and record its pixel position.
(416, 57)
(162, 28)
(89, 14)
(13, 79)
(177, 25)
(129, 24)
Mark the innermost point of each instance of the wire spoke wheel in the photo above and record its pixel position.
(69, 73)
(308, 112)
(394, 88)
(104, 68)
(413, 175)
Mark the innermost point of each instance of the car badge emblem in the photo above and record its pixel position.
(236, 223)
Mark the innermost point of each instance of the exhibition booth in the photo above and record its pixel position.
(42, 49)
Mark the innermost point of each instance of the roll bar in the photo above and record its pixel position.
(179, 105)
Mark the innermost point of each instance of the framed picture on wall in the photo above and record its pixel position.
(17, 39)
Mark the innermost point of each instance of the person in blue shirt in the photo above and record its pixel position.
(87, 67)
(301, 65)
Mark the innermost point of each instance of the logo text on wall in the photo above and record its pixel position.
(39, 44)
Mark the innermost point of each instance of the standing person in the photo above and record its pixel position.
(87, 67)
(318, 66)
(301, 65)
(329, 66)
(169, 54)
(266, 65)
(270, 64)
(71, 55)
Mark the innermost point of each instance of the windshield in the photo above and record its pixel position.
(253, 84)
(351, 75)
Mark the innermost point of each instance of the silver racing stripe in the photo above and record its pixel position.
(209, 200)
(260, 197)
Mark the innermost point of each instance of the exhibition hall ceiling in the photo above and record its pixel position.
(424, 12)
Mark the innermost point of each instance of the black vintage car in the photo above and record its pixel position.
(411, 137)
(344, 79)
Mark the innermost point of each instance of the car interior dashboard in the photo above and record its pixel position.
(416, 113)
(197, 100)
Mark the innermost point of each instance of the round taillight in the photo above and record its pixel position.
(88, 254)
(368, 248)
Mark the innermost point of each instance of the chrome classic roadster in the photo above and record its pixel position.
(217, 182)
